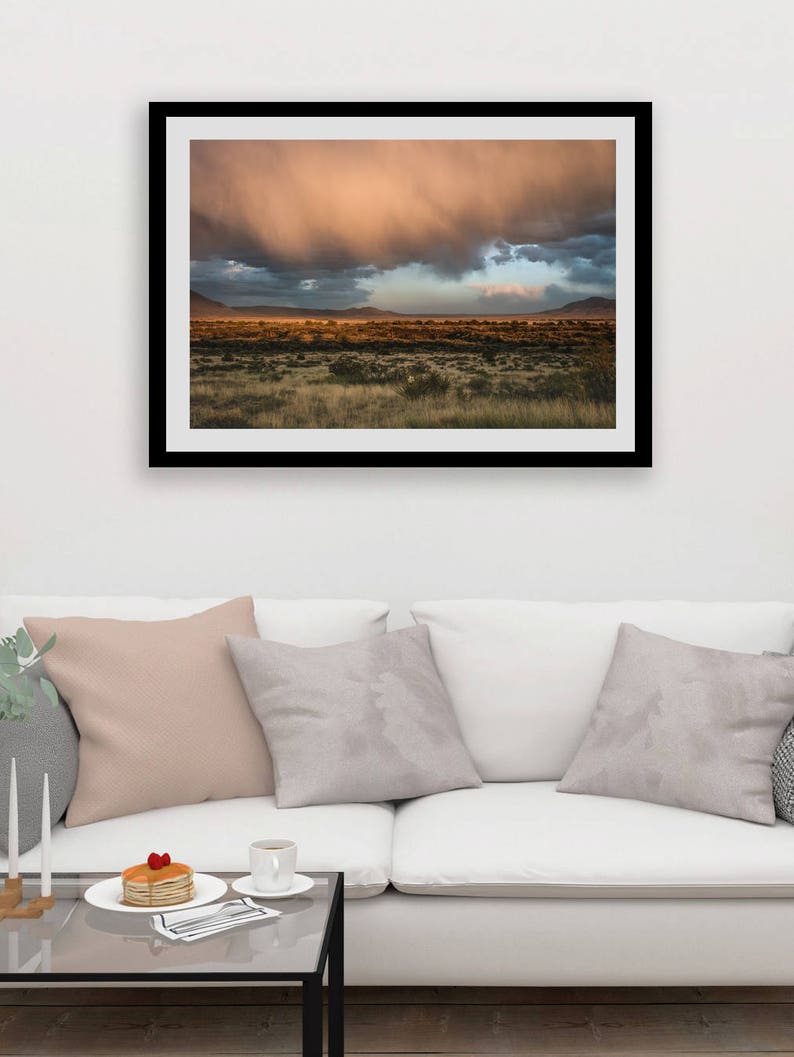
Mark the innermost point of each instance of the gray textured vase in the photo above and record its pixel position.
(44, 742)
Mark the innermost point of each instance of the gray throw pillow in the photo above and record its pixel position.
(783, 768)
(46, 740)
(687, 726)
(358, 722)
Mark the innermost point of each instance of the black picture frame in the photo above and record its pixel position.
(640, 456)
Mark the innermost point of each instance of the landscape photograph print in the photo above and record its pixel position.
(403, 284)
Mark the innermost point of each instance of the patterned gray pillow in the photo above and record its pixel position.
(687, 726)
(46, 741)
(783, 767)
(359, 722)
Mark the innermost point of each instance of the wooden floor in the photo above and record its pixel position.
(450, 1021)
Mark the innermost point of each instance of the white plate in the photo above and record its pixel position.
(300, 883)
(107, 895)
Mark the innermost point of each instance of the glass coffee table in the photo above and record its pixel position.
(76, 943)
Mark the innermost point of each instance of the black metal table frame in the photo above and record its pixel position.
(332, 954)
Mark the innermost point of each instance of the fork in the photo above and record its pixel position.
(229, 911)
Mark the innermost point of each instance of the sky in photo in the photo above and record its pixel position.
(415, 226)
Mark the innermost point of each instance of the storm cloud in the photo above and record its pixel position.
(386, 203)
(315, 222)
(234, 282)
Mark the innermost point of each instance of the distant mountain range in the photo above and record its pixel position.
(590, 308)
(202, 307)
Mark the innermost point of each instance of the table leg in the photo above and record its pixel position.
(313, 1016)
(336, 984)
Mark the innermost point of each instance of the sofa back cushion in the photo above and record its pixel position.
(524, 677)
(228, 755)
(359, 722)
(300, 622)
(163, 719)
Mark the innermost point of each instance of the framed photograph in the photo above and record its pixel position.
(400, 284)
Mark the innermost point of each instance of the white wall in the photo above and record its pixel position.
(81, 511)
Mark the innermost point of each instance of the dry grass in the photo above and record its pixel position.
(250, 403)
(478, 375)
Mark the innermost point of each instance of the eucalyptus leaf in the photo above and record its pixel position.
(47, 646)
(50, 691)
(17, 655)
(6, 681)
(8, 658)
(24, 644)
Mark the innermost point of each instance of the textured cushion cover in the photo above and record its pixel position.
(687, 726)
(783, 771)
(46, 741)
(214, 837)
(361, 721)
(524, 839)
(783, 775)
(524, 677)
(162, 716)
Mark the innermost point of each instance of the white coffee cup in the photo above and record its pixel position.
(272, 864)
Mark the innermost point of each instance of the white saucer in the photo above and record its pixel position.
(107, 895)
(300, 883)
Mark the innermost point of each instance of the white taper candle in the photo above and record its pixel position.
(13, 823)
(46, 854)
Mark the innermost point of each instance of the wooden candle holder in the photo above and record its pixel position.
(11, 896)
(11, 901)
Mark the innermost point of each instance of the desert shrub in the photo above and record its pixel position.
(349, 369)
(358, 370)
(269, 372)
(480, 383)
(593, 380)
(428, 382)
(598, 377)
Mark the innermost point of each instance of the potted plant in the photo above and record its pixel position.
(37, 730)
(17, 655)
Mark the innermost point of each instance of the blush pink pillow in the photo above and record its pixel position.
(162, 715)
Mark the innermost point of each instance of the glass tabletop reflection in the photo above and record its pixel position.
(79, 940)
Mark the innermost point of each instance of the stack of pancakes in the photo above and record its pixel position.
(144, 887)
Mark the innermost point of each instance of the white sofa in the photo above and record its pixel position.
(512, 883)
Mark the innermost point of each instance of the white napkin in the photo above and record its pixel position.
(198, 922)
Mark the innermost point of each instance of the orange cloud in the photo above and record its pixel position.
(525, 293)
(337, 204)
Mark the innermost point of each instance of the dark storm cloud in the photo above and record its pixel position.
(333, 206)
(504, 252)
(599, 250)
(235, 283)
(585, 259)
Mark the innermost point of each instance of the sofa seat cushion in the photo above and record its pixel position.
(526, 839)
(214, 837)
